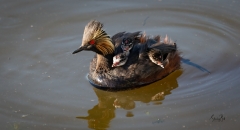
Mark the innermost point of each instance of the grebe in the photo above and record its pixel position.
(120, 59)
(138, 70)
(154, 51)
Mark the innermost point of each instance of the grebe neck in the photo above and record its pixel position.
(104, 63)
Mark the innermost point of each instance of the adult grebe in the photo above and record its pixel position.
(138, 70)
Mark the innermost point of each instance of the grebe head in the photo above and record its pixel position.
(127, 44)
(156, 57)
(158, 53)
(120, 59)
(96, 39)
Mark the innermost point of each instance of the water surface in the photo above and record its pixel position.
(43, 86)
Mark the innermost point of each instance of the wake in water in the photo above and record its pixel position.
(187, 61)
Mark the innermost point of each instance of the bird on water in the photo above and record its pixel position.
(148, 60)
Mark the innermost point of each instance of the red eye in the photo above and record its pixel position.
(92, 42)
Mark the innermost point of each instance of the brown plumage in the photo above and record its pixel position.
(139, 70)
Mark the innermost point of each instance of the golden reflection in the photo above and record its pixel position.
(100, 115)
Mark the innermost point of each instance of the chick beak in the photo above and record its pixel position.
(115, 64)
(79, 49)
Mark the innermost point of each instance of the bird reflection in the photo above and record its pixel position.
(100, 115)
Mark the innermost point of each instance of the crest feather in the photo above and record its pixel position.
(93, 31)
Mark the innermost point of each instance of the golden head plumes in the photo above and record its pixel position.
(97, 37)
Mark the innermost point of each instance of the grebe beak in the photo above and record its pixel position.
(79, 49)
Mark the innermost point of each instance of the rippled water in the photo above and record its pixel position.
(43, 86)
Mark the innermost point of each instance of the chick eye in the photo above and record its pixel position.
(127, 41)
(122, 56)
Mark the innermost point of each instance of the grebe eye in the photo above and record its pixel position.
(122, 56)
(92, 42)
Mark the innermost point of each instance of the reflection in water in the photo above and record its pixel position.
(100, 115)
